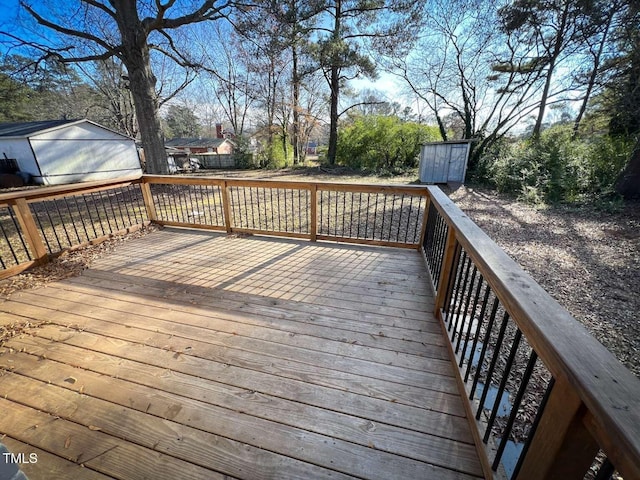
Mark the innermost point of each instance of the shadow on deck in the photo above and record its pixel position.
(198, 355)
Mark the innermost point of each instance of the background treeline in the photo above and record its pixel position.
(548, 90)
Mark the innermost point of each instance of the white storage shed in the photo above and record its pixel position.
(444, 162)
(56, 152)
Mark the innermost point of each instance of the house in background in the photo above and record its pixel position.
(208, 152)
(56, 152)
(221, 146)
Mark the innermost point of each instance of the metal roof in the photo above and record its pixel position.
(26, 129)
(194, 142)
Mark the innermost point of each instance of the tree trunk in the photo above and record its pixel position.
(295, 79)
(135, 55)
(593, 76)
(628, 183)
(333, 116)
(554, 55)
(146, 103)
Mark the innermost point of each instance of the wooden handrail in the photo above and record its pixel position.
(609, 391)
(57, 191)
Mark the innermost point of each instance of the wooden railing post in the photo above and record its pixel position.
(425, 220)
(448, 266)
(562, 447)
(148, 201)
(29, 228)
(313, 228)
(226, 206)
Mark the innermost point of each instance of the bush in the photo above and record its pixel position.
(383, 144)
(555, 168)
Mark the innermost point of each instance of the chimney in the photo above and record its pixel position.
(219, 131)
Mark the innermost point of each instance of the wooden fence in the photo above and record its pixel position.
(571, 405)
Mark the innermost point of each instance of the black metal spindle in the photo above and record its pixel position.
(62, 222)
(503, 383)
(375, 216)
(524, 383)
(534, 427)
(109, 215)
(11, 249)
(485, 346)
(116, 195)
(476, 299)
(463, 298)
(88, 210)
(111, 212)
(458, 274)
(14, 220)
(73, 223)
(492, 366)
(51, 223)
(455, 261)
(164, 193)
(465, 309)
(84, 224)
(130, 205)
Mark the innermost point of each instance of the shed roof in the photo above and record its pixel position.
(195, 142)
(28, 129)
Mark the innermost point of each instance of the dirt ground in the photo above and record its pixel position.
(588, 260)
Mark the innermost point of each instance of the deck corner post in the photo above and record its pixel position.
(313, 227)
(425, 220)
(148, 201)
(448, 266)
(226, 206)
(562, 447)
(29, 228)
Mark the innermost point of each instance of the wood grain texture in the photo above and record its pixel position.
(609, 391)
(234, 357)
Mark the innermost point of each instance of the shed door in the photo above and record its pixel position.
(457, 162)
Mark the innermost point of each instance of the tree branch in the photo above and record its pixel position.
(67, 31)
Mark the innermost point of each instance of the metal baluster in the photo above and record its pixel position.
(476, 298)
(73, 223)
(485, 345)
(492, 366)
(534, 427)
(524, 383)
(93, 223)
(503, 384)
(6, 237)
(19, 232)
(466, 307)
(458, 273)
(462, 304)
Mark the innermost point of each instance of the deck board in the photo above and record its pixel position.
(235, 357)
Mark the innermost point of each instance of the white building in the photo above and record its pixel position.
(56, 152)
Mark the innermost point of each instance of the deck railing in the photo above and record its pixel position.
(38, 223)
(546, 396)
(537, 382)
(373, 214)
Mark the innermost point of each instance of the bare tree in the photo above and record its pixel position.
(90, 30)
(355, 30)
(470, 74)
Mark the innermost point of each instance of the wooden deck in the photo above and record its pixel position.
(198, 355)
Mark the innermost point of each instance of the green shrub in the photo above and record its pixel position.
(383, 144)
(555, 168)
